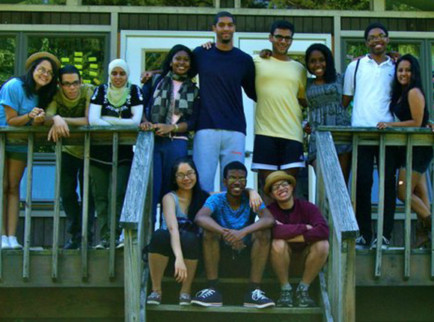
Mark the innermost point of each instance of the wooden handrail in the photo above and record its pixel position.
(136, 221)
(335, 203)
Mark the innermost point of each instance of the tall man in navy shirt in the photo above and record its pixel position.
(221, 128)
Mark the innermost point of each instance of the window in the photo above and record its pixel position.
(7, 57)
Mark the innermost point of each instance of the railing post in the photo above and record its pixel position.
(407, 225)
(113, 205)
(28, 212)
(432, 222)
(380, 222)
(85, 207)
(56, 215)
(135, 219)
(2, 171)
(349, 281)
(354, 170)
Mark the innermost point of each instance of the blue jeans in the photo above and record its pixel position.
(212, 146)
(166, 152)
(72, 171)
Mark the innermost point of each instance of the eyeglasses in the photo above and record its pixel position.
(377, 37)
(189, 174)
(42, 70)
(277, 186)
(73, 84)
(283, 38)
(241, 180)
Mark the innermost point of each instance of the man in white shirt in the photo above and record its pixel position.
(368, 80)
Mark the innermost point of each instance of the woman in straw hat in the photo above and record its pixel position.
(23, 100)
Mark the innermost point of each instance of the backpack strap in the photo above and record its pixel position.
(355, 73)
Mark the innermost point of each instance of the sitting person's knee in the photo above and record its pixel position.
(190, 245)
(320, 248)
(209, 236)
(263, 237)
(279, 246)
(160, 242)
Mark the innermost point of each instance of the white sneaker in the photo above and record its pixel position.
(13, 243)
(5, 242)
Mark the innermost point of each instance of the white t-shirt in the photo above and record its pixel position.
(373, 91)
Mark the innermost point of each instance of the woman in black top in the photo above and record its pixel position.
(409, 106)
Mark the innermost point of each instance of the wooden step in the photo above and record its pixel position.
(232, 289)
(174, 312)
(393, 268)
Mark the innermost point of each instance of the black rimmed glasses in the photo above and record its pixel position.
(73, 84)
(190, 174)
(283, 38)
(377, 37)
(277, 186)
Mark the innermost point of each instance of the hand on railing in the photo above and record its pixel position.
(37, 115)
(59, 129)
(382, 125)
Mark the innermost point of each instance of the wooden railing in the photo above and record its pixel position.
(404, 137)
(137, 224)
(334, 201)
(37, 136)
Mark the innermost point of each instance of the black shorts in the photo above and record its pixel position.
(271, 153)
(160, 244)
(422, 157)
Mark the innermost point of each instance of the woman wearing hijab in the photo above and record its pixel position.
(115, 103)
(22, 102)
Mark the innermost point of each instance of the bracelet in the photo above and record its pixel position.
(28, 115)
(176, 128)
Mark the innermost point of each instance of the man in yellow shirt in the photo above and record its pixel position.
(280, 87)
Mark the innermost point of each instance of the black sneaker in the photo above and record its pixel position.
(302, 299)
(385, 244)
(361, 243)
(257, 299)
(285, 299)
(72, 244)
(154, 299)
(207, 297)
(103, 244)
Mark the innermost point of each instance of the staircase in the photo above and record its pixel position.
(233, 290)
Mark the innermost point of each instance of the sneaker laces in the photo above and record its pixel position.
(206, 293)
(258, 295)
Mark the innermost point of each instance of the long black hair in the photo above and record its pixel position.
(400, 92)
(330, 70)
(46, 92)
(199, 196)
(168, 60)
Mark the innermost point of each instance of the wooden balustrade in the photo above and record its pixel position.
(36, 136)
(390, 137)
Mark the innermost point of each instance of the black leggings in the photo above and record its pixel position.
(160, 244)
